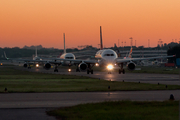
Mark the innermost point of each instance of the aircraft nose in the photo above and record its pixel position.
(109, 61)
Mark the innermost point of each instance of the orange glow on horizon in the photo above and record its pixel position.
(43, 22)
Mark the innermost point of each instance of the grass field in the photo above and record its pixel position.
(121, 110)
(23, 81)
(156, 69)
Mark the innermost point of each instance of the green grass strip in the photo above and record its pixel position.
(121, 110)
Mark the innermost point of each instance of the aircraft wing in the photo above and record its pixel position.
(24, 60)
(139, 59)
(77, 60)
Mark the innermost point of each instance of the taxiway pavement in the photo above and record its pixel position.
(62, 99)
(167, 79)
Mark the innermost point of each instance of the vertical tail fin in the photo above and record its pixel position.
(64, 43)
(5, 55)
(130, 53)
(36, 52)
(101, 44)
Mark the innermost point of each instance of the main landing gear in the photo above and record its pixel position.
(121, 70)
(29, 67)
(55, 69)
(77, 69)
(89, 71)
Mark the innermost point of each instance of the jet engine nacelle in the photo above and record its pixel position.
(131, 66)
(25, 65)
(47, 66)
(82, 66)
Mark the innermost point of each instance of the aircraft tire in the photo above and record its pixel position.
(87, 71)
(91, 71)
(77, 70)
(119, 71)
(123, 71)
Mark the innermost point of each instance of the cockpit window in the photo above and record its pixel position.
(99, 52)
(69, 57)
(108, 54)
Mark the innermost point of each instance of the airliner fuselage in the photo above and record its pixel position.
(66, 56)
(106, 57)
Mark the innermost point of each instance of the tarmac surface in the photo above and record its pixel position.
(17, 106)
(64, 99)
(167, 79)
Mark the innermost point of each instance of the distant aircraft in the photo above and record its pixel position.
(108, 58)
(28, 62)
(65, 59)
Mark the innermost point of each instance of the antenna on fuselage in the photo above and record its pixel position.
(64, 43)
(101, 44)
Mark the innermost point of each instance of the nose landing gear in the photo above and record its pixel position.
(121, 70)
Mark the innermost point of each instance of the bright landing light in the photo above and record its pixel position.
(97, 64)
(37, 65)
(69, 70)
(110, 67)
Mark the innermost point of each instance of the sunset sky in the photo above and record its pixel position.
(43, 22)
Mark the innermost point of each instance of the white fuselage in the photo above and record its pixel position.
(69, 56)
(36, 58)
(106, 56)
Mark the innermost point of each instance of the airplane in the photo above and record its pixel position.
(28, 62)
(108, 58)
(65, 60)
(65, 57)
